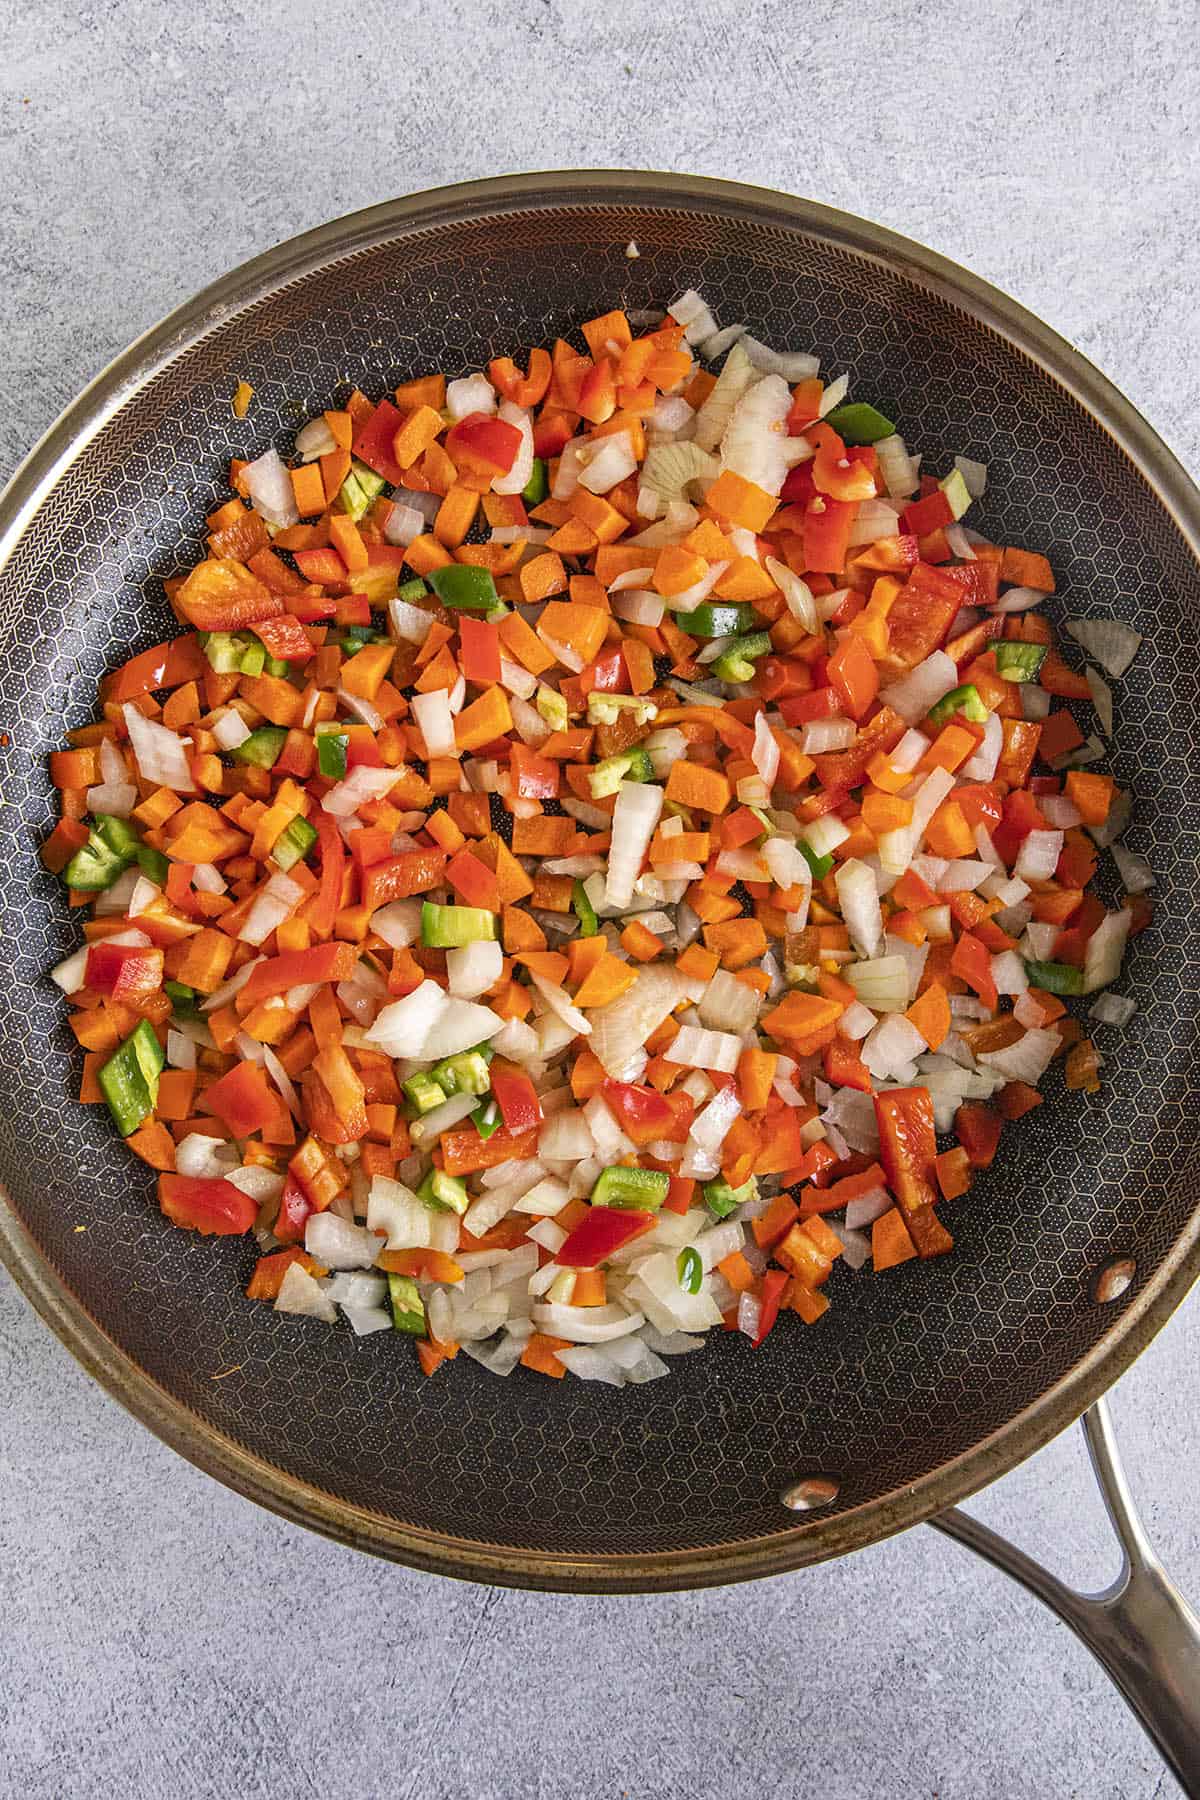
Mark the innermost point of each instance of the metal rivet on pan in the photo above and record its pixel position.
(810, 1493)
(1113, 1279)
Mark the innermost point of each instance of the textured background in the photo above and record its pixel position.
(159, 1635)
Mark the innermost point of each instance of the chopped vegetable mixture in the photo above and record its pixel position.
(608, 843)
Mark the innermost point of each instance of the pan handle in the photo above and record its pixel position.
(1140, 1629)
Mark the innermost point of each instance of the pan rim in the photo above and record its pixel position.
(221, 1456)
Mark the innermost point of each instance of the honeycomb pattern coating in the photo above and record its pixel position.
(908, 1370)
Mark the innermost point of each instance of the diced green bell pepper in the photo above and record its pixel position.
(450, 927)
(275, 665)
(261, 749)
(584, 911)
(359, 489)
(486, 1119)
(737, 662)
(820, 865)
(689, 1267)
(119, 835)
(721, 1199)
(412, 590)
(152, 863)
(331, 754)
(424, 1092)
(129, 1079)
(464, 586)
(1055, 977)
(253, 659)
(627, 765)
(464, 1073)
(858, 423)
(223, 651)
(1019, 662)
(963, 699)
(606, 709)
(537, 487)
(111, 847)
(185, 1001)
(714, 619)
(634, 1190)
(553, 708)
(444, 1193)
(293, 844)
(408, 1308)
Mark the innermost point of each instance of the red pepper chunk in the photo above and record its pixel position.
(285, 638)
(213, 1208)
(852, 671)
(299, 968)
(243, 1099)
(972, 963)
(295, 1210)
(125, 972)
(323, 911)
(516, 1097)
(773, 1284)
(480, 658)
(643, 1114)
(978, 1130)
(412, 872)
(374, 442)
(535, 777)
(598, 1236)
(907, 1145)
(483, 444)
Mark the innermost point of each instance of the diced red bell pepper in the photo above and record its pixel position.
(311, 608)
(374, 442)
(295, 1210)
(285, 638)
(920, 517)
(802, 709)
(907, 1145)
(126, 972)
(972, 963)
(479, 658)
(516, 1097)
(299, 968)
(244, 1099)
(165, 666)
(534, 777)
(354, 609)
(602, 1232)
(799, 487)
(412, 872)
(827, 533)
(844, 1067)
(324, 567)
(643, 1114)
(552, 432)
(323, 911)
(606, 675)
(978, 1130)
(841, 770)
(773, 1284)
(483, 444)
(212, 1207)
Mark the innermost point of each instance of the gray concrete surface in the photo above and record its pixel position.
(158, 1635)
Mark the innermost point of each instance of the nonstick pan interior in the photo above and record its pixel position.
(919, 1384)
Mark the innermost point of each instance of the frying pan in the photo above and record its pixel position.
(919, 1387)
